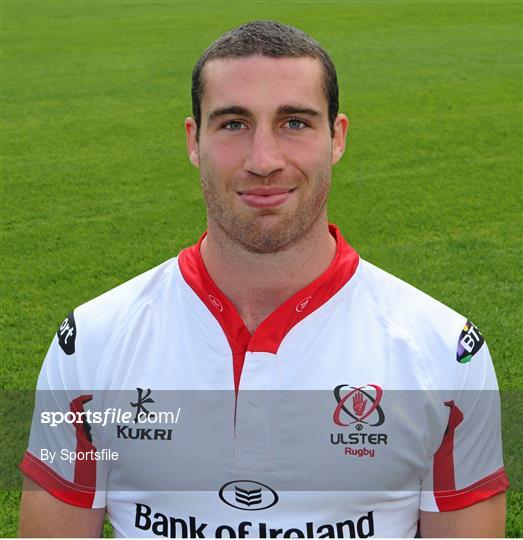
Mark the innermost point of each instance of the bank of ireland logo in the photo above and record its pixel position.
(248, 495)
(358, 405)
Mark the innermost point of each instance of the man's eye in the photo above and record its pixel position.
(294, 123)
(233, 125)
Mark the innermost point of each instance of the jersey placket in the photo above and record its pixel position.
(254, 357)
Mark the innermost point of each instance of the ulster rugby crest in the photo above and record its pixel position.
(358, 406)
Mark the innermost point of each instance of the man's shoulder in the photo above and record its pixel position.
(435, 330)
(140, 286)
(100, 317)
(401, 301)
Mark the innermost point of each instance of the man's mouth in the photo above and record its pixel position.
(266, 197)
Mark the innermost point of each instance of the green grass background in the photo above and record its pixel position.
(96, 186)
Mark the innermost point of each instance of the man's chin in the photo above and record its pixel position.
(268, 234)
(264, 246)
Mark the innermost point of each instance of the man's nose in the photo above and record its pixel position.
(265, 156)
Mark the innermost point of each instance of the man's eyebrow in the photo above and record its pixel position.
(297, 109)
(234, 109)
(282, 110)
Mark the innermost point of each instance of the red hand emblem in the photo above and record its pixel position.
(359, 404)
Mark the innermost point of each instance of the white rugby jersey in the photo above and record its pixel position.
(357, 403)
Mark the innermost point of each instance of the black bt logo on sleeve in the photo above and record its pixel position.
(67, 334)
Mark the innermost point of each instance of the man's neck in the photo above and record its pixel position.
(258, 283)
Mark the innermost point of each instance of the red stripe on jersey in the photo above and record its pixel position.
(443, 467)
(481, 490)
(271, 332)
(84, 469)
(54, 484)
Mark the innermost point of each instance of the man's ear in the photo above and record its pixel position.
(341, 125)
(192, 143)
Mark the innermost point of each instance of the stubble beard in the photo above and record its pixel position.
(271, 230)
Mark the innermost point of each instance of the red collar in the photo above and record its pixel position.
(270, 333)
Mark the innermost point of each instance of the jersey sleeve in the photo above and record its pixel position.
(62, 451)
(467, 467)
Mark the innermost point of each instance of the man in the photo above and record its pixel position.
(330, 398)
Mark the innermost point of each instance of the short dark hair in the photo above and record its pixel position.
(272, 39)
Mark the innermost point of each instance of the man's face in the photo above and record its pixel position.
(265, 149)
